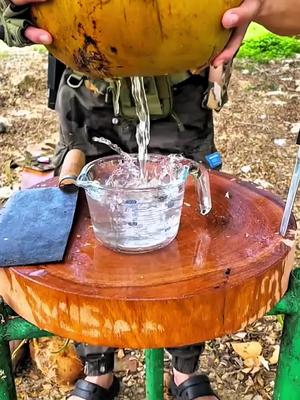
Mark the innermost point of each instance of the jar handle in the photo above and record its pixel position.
(202, 182)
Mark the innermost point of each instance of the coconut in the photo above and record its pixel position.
(117, 38)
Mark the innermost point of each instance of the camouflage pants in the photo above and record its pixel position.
(83, 114)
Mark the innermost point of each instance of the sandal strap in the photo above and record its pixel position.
(196, 386)
(90, 391)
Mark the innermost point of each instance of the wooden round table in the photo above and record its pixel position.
(222, 272)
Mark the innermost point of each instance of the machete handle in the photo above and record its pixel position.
(71, 167)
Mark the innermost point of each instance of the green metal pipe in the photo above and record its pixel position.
(7, 384)
(16, 328)
(154, 374)
(12, 328)
(287, 385)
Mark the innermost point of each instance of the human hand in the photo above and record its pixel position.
(238, 19)
(34, 35)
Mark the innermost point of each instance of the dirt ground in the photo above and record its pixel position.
(256, 135)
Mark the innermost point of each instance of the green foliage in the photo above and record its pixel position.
(269, 47)
(39, 48)
(280, 319)
(255, 30)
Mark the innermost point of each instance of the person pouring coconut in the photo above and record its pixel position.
(83, 113)
(279, 16)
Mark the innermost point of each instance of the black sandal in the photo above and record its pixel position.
(90, 391)
(194, 387)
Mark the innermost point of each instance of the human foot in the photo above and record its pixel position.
(104, 385)
(192, 384)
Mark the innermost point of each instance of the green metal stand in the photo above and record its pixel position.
(7, 384)
(12, 328)
(287, 386)
(154, 374)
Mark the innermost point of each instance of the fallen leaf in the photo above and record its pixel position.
(121, 354)
(240, 335)
(133, 364)
(264, 362)
(252, 362)
(295, 128)
(246, 169)
(247, 350)
(280, 142)
(246, 370)
(255, 370)
(5, 192)
(275, 356)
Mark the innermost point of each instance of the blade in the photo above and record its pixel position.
(291, 197)
(35, 226)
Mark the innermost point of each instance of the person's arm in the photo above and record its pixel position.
(279, 16)
(15, 28)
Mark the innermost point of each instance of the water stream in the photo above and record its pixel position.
(143, 127)
(134, 171)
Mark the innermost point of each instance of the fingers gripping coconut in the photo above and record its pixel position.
(130, 38)
(15, 25)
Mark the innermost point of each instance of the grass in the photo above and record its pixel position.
(263, 46)
(39, 48)
(255, 30)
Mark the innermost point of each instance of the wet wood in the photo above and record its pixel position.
(31, 177)
(222, 272)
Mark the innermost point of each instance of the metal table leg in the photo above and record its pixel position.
(12, 328)
(155, 374)
(287, 385)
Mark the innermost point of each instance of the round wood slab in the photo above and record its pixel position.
(222, 272)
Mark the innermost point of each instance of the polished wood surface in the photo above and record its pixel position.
(31, 177)
(222, 271)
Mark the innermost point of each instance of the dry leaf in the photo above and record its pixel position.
(295, 127)
(246, 370)
(133, 364)
(246, 169)
(255, 370)
(240, 335)
(5, 192)
(250, 362)
(264, 362)
(247, 350)
(121, 354)
(275, 356)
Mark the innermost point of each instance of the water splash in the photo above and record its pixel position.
(159, 171)
(113, 146)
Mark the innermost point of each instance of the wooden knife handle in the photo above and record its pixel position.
(72, 165)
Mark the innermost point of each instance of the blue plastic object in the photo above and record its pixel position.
(214, 160)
